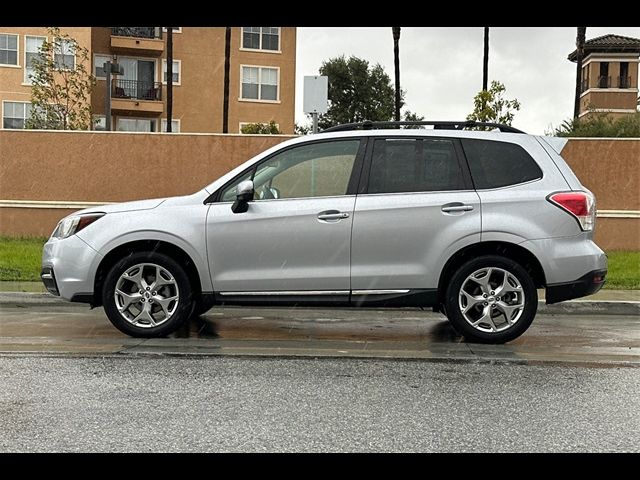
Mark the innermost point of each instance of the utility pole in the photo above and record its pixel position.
(396, 58)
(169, 78)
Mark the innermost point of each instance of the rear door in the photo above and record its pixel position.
(416, 206)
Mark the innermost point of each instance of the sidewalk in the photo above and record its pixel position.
(613, 302)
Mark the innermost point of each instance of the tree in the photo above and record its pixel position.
(601, 125)
(357, 92)
(261, 128)
(61, 85)
(580, 39)
(410, 116)
(302, 129)
(491, 106)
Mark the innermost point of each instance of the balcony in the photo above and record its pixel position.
(604, 82)
(137, 40)
(624, 82)
(136, 97)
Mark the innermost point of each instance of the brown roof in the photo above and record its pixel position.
(609, 43)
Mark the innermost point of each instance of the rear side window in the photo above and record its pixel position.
(414, 165)
(499, 164)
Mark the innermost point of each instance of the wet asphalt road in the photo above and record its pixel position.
(125, 404)
(315, 380)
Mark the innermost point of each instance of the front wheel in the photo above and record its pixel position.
(491, 299)
(147, 294)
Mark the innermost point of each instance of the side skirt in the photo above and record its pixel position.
(356, 298)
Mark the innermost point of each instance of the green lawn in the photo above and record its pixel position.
(20, 258)
(20, 261)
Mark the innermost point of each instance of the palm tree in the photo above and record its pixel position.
(169, 77)
(485, 61)
(225, 93)
(396, 60)
(580, 39)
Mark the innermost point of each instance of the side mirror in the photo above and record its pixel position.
(244, 194)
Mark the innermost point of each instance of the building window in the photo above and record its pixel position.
(136, 125)
(261, 38)
(98, 65)
(625, 80)
(8, 49)
(99, 123)
(175, 125)
(176, 71)
(604, 81)
(64, 55)
(15, 114)
(31, 52)
(175, 29)
(259, 83)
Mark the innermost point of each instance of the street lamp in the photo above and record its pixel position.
(110, 68)
(396, 55)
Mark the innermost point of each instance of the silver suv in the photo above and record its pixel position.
(469, 223)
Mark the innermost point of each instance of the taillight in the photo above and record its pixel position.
(581, 205)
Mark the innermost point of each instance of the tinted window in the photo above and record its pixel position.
(498, 164)
(414, 165)
(313, 170)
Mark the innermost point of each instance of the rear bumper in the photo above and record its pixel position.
(586, 285)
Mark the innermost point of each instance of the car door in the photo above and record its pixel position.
(293, 242)
(416, 206)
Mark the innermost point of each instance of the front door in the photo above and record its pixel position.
(416, 209)
(294, 240)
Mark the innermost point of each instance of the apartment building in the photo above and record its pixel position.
(261, 76)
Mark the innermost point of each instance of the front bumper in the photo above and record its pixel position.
(588, 284)
(49, 280)
(68, 267)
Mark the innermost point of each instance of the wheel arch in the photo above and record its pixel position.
(504, 249)
(160, 246)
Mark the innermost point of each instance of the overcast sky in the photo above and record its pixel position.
(441, 68)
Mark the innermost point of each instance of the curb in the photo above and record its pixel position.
(574, 307)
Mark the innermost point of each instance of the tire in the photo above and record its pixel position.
(162, 307)
(499, 317)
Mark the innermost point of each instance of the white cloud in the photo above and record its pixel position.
(441, 68)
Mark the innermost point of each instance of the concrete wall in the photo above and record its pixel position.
(55, 167)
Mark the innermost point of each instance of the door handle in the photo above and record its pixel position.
(329, 215)
(457, 208)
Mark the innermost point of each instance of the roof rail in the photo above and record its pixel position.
(447, 125)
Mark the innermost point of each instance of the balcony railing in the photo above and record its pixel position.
(624, 82)
(604, 82)
(137, 32)
(584, 85)
(136, 89)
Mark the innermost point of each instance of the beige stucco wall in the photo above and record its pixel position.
(113, 167)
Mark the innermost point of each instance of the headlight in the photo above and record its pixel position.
(74, 223)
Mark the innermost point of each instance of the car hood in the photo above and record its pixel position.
(146, 204)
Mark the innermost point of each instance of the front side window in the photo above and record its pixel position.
(499, 164)
(15, 114)
(175, 125)
(259, 83)
(315, 170)
(31, 52)
(261, 38)
(64, 55)
(8, 49)
(414, 165)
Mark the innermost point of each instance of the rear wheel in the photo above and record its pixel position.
(491, 299)
(147, 294)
